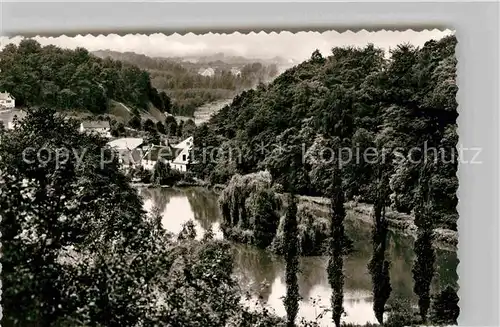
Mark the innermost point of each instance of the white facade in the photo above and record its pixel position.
(181, 160)
(7, 100)
(101, 128)
(207, 72)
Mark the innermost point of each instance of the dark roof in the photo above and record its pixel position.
(96, 124)
(159, 152)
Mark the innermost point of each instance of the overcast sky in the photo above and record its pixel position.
(296, 46)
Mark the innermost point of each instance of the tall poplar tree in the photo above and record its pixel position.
(292, 297)
(378, 265)
(336, 261)
(423, 268)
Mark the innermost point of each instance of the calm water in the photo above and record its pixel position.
(262, 273)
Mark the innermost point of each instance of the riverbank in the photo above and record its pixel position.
(445, 238)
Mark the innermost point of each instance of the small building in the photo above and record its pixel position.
(7, 101)
(156, 153)
(8, 117)
(207, 72)
(129, 151)
(235, 71)
(182, 153)
(100, 127)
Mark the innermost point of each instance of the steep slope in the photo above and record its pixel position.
(353, 102)
(75, 80)
(180, 78)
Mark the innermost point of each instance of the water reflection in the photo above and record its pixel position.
(262, 274)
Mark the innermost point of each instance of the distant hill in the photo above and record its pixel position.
(180, 78)
(76, 81)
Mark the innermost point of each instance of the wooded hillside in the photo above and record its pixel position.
(354, 99)
(74, 79)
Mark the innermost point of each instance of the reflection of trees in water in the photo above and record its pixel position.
(256, 267)
(160, 197)
(204, 205)
(400, 250)
(312, 273)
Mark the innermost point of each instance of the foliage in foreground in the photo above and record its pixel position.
(78, 249)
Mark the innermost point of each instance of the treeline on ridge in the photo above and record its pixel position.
(74, 79)
(356, 99)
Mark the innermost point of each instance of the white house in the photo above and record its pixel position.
(7, 100)
(207, 72)
(235, 71)
(99, 127)
(182, 153)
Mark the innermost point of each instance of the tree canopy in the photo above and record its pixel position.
(73, 79)
(355, 99)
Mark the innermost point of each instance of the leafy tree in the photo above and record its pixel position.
(160, 128)
(378, 265)
(53, 210)
(336, 260)
(188, 128)
(135, 122)
(180, 128)
(171, 126)
(117, 129)
(71, 79)
(262, 206)
(149, 126)
(152, 138)
(423, 268)
(317, 57)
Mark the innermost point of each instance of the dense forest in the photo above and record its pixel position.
(74, 79)
(352, 102)
(189, 89)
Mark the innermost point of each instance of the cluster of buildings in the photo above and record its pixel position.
(133, 153)
(100, 127)
(209, 72)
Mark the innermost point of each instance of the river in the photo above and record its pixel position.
(203, 113)
(262, 273)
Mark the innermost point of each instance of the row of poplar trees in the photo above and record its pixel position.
(423, 267)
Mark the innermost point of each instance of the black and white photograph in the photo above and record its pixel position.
(266, 179)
